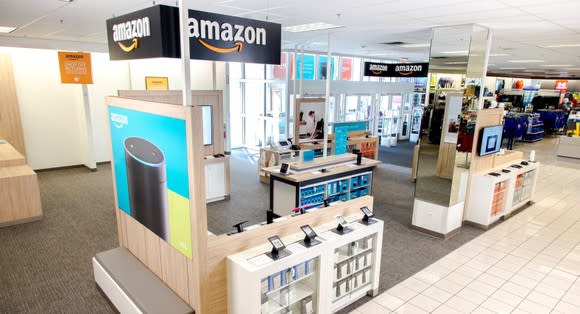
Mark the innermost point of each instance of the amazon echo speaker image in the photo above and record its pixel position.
(147, 185)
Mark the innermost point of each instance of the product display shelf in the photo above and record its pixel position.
(306, 281)
(493, 197)
(340, 187)
(535, 130)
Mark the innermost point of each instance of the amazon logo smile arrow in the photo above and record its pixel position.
(238, 46)
(134, 45)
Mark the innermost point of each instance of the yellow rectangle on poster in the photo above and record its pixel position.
(179, 223)
(156, 83)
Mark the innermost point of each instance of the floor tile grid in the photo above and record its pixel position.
(529, 217)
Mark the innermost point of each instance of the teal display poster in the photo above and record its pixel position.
(322, 64)
(308, 73)
(351, 126)
(340, 140)
(150, 163)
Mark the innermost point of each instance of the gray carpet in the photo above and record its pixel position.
(249, 200)
(46, 266)
(400, 155)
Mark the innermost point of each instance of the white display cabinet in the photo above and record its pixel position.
(493, 197)
(320, 279)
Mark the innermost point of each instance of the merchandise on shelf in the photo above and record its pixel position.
(554, 120)
(352, 267)
(292, 290)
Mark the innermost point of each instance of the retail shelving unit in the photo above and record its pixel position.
(320, 279)
(535, 131)
(310, 187)
(494, 197)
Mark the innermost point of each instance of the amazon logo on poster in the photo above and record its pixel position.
(235, 35)
(131, 31)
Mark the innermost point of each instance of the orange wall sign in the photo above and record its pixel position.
(75, 67)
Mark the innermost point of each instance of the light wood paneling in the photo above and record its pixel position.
(19, 195)
(10, 123)
(196, 269)
(446, 160)
(175, 273)
(9, 156)
(485, 118)
(219, 247)
(166, 110)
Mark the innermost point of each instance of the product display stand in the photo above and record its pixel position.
(199, 279)
(19, 191)
(272, 157)
(321, 279)
(308, 186)
(495, 196)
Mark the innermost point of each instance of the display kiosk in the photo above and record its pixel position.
(309, 184)
(190, 262)
(320, 279)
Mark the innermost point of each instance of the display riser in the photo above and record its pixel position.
(245, 277)
(480, 204)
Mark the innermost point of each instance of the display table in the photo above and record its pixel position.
(569, 146)
(308, 186)
(9, 156)
(217, 178)
(319, 279)
(19, 192)
(276, 154)
(494, 197)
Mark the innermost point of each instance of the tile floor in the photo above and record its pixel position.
(530, 263)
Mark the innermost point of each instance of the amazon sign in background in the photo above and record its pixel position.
(396, 69)
(154, 33)
(148, 33)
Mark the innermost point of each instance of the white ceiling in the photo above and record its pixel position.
(519, 27)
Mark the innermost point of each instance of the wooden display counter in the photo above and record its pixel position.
(277, 155)
(308, 186)
(19, 192)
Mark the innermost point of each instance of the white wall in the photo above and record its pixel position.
(108, 77)
(201, 73)
(52, 113)
(53, 116)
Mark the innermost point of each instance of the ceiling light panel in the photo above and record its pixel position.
(6, 29)
(310, 27)
(526, 61)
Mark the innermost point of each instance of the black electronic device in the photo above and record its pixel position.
(525, 163)
(147, 185)
(358, 154)
(516, 166)
(368, 215)
(238, 228)
(490, 140)
(310, 236)
(283, 143)
(495, 174)
(323, 170)
(342, 227)
(295, 147)
(278, 248)
(505, 170)
(284, 168)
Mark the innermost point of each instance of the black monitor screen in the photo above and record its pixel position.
(490, 140)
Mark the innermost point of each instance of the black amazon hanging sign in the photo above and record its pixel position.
(396, 69)
(154, 33)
